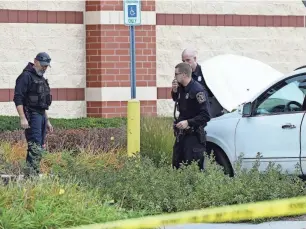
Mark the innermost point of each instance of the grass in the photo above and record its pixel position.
(157, 139)
(91, 186)
(50, 203)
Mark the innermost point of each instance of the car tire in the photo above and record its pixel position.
(221, 159)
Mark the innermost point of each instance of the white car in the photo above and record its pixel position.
(266, 112)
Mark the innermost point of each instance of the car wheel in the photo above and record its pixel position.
(220, 158)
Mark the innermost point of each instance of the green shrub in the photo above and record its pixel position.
(139, 184)
(84, 186)
(50, 203)
(148, 184)
(11, 123)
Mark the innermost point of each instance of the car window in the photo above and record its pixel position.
(283, 98)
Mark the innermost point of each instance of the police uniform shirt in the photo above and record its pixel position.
(193, 104)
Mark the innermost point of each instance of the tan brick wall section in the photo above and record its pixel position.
(89, 46)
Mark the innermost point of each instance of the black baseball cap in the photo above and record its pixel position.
(43, 58)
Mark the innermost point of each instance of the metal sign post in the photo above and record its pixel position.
(132, 18)
(133, 62)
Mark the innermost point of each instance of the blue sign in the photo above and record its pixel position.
(132, 12)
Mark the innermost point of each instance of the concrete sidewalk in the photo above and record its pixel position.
(267, 225)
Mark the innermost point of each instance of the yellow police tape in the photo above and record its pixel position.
(232, 213)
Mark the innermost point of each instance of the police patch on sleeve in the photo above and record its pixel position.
(201, 97)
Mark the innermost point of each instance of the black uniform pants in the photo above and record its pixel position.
(188, 149)
(35, 137)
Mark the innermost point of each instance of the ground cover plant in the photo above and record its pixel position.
(50, 203)
(96, 185)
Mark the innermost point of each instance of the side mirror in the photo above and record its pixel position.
(247, 109)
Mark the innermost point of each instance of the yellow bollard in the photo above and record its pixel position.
(133, 127)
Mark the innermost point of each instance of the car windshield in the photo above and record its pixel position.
(279, 96)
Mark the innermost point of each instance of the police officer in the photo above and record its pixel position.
(189, 56)
(32, 98)
(193, 107)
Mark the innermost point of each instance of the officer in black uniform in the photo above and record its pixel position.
(189, 56)
(192, 102)
(32, 97)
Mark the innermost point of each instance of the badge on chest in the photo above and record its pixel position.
(187, 96)
(199, 78)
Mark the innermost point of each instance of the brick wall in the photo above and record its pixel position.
(107, 5)
(118, 108)
(213, 28)
(267, 33)
(108, 59)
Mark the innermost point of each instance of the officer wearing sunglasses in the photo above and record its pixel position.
(191, 99)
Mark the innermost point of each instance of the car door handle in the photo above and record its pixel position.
(288, 126)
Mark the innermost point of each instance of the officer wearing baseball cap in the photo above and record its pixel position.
(32, 98)
(43, 58)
